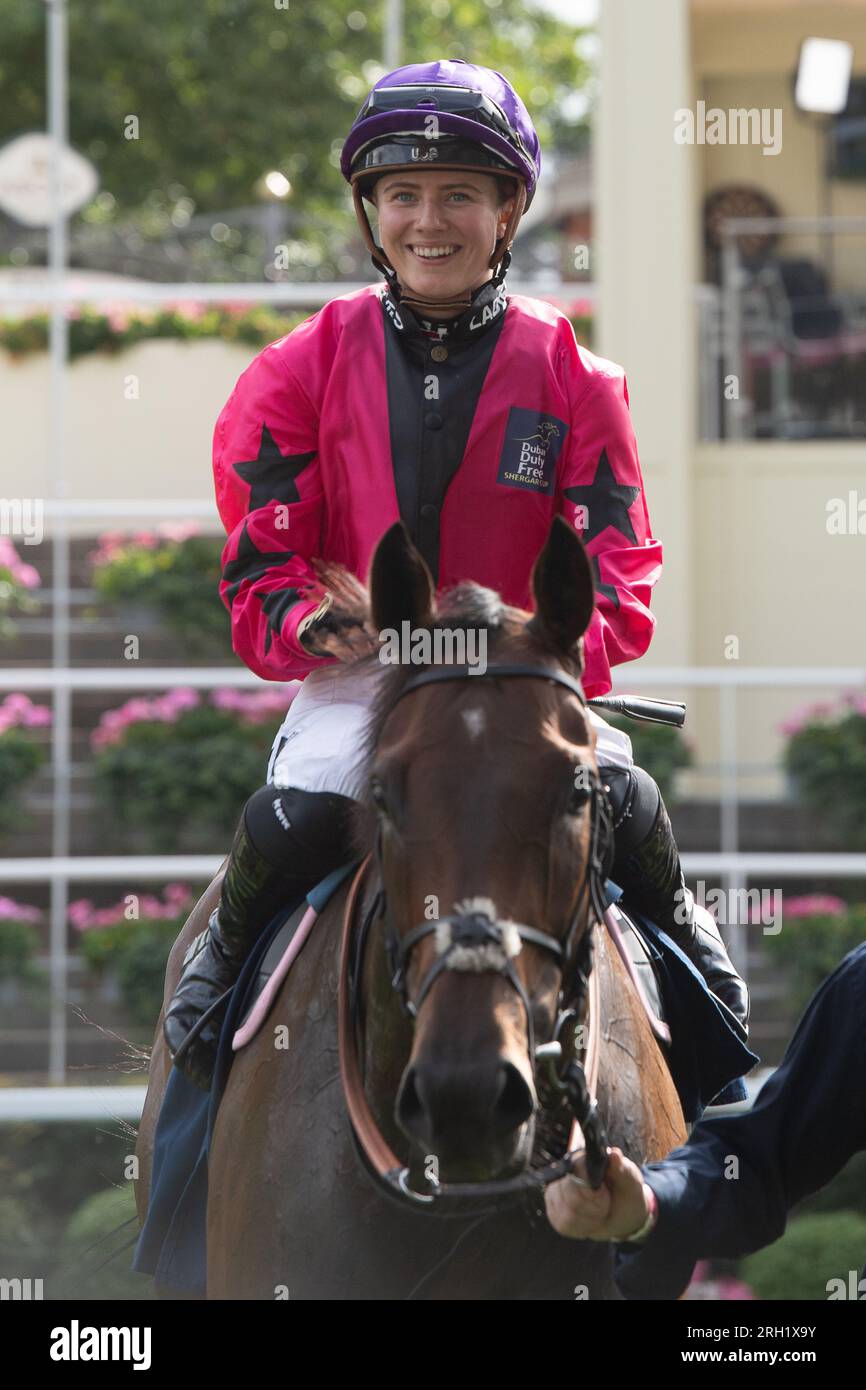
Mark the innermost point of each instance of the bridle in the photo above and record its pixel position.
(476, 931)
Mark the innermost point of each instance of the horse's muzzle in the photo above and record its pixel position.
(467, 1115)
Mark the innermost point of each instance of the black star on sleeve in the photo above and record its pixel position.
(250, 563)
(607, 502)
(271, 475)
(609, 590)
(276, 604)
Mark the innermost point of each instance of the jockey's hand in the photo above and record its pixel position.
(614, 1212)
(340, 632)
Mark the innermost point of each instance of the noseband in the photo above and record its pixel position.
(474, 940)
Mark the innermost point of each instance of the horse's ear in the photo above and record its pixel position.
(563, 588)
(401, 586)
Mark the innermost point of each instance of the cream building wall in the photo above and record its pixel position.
(747, 552)
(117, 446)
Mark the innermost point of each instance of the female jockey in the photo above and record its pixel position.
(415, 399)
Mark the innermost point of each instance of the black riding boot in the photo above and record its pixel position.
(647, 864)
(306, 835)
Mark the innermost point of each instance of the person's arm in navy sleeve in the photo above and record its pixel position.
(728, 1191)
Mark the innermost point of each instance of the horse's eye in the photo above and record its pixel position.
(579, 795)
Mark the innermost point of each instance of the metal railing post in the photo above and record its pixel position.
(732, 879)
(56, 72)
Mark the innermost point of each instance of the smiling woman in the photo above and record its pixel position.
(439, 232)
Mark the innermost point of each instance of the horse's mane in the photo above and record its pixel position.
(464, 607)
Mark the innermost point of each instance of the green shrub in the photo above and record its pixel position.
(141, 970)
(813, 1250)
(811, 944)
(19, 942)
(96, 1255)
(178, 579)
(20, 757)
(826, 759)
(136, 949)
(48, 1171)
(95, 330)
(183, 784)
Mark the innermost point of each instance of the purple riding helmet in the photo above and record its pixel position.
(444, 115)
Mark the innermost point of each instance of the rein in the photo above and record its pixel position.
(570, 1078)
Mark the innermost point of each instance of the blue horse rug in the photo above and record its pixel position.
(172, 1243)
(706, 1057)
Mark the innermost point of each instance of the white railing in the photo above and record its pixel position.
(301, 294)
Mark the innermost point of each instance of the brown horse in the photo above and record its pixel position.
(472, 811)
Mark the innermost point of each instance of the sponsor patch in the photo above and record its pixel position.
(532, 445)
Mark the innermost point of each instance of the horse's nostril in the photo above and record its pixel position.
(473, 1104)
(410, 1110)
(515, 1102)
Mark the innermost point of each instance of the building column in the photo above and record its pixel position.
(646, 265)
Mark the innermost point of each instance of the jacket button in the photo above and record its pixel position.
(432, 420)
(439, 353)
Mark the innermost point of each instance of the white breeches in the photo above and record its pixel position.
(319, 745)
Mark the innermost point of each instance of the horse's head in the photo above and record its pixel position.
(480, 804)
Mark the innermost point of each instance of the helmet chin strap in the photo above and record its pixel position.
(382, 263)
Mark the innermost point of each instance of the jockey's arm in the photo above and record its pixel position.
(270, 499)
(601, 494)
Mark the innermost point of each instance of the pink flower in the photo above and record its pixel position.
(17, 702)
(22, 574)
(18, 709)
(792, 726)
(177, 890)
(37, 715)
(186, 308)
(814, 905)
(84, 918)
(80, 913)
(178, 530)
(184, 697)
(135, 709)
(223, 699)
(253, 707)
(11, 911)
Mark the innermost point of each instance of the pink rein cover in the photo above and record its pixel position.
(259, 1011)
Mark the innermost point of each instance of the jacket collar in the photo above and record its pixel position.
(489, 302)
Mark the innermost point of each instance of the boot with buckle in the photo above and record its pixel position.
(655, 876)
